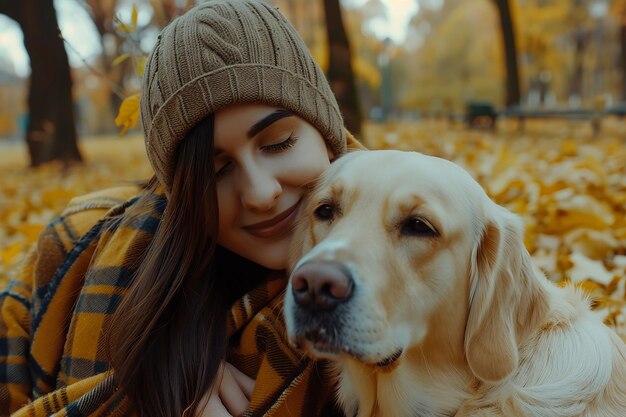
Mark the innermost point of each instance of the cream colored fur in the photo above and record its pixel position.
(482, 332)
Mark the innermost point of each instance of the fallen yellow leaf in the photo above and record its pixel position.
(30, 231)
(8, 254)
(120, 59)
(128, 114)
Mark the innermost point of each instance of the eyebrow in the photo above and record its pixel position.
(262, 124)
(267, 121)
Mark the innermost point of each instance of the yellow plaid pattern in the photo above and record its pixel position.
(54, 314)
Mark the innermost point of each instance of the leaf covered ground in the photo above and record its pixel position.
(30, 198)
(568, 185)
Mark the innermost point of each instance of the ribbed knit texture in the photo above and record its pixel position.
(225, 52)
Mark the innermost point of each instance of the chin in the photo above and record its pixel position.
(273, 256)
(276, 264)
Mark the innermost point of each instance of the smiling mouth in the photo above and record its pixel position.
(276, 226)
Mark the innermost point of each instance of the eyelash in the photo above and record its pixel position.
(223, 171)
(282, 146)
(275, 148)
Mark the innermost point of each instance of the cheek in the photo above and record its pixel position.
(416, 279)
(226, 208)
(306, 163)
(438, 277)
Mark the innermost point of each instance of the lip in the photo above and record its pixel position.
(276, 226)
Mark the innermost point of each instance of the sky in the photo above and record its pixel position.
(79, 31)
(394, 24)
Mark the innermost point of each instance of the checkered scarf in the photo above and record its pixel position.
(55, 312)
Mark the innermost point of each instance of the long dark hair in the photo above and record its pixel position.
(169, 332)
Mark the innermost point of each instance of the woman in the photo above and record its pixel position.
(168, 303)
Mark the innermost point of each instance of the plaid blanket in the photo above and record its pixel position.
(54, 314)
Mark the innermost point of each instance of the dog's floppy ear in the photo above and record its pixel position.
(506, 297)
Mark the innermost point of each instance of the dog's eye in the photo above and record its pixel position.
(325, 212)
(417, 227)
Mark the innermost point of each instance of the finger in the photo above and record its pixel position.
(245, 382)
(232, 395)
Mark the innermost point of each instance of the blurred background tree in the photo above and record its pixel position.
(512, 97)
(50, 131)
(532, 53)
(340, 72)
(102, 14)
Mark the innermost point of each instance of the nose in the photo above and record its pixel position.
(260, 190)
(319, 286)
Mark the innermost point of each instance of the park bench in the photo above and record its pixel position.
(483, 115)
(480, 115)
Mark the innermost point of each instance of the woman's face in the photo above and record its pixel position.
(264, 156)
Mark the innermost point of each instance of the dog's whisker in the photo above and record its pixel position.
(426, 364)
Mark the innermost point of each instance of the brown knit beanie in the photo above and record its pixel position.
(224, 52)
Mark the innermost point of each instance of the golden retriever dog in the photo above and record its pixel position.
(419, 289)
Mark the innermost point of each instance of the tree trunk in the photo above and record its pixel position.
(510, 53)
(166, 10)
(102, 14)
(51, 130)
(576, 83)
(623, 51)
(340, 74)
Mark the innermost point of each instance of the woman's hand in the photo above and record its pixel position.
(229, 396)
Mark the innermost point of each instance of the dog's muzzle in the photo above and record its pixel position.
(321, 286)
(320, 295)
(320, 313)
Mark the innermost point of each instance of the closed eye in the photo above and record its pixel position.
(225, 169)
(281, 146)
(273, 148)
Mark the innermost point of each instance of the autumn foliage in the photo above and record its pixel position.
(568, 186)
(30, 198)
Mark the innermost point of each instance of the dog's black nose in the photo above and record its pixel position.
(321, 285)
